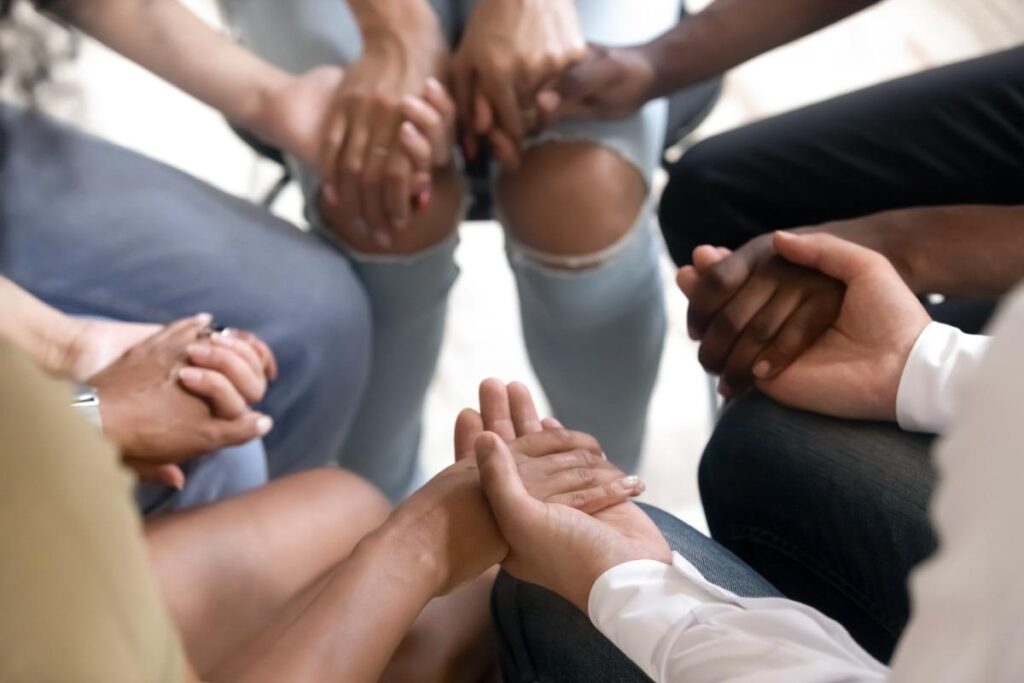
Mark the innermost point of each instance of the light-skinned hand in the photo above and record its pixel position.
(853, 370)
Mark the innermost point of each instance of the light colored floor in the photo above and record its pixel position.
(125, 104)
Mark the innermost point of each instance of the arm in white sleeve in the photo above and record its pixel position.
(942, 360)
(677, 627)
(968, 599)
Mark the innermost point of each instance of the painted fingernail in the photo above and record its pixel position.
(761, 369)
(198, 351)
(632, 485)
(190, 374)
(264, 424)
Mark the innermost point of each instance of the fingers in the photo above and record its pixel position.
(468, 426)
(505, 150)
(524, 411)
(496, 410)
(759, 333)
(601, 496)
(228, 363)
(828, 254)
(245, 428)
(397, 191)
(225, 400)
(705, 256)
(330, 161)
(551, 423)
(350, 162)
(266, 356)
(379, 161)
(168, 475)
(716, 286)
(505, 103)
(513, 507)
(800, 331)
(729, 323)
(556, 441)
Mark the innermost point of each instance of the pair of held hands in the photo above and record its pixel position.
(509, 498)
(814, 321)
(378, 131)
(542, 501)
(170, 394)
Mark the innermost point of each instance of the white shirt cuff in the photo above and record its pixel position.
(942, 360)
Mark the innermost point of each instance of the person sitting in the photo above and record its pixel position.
(703, 614)
(96, 230)
(924, 170)
(311, 577)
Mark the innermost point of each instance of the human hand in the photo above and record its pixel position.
(176, 395)
(449, 515)
(510, 55)
(609, 83)
(753, 311)
(854, 369)
(368, 176)
(555, 546)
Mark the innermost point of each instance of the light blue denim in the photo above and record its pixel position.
(594, 336)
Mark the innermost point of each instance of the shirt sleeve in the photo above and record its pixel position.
(677, 626)
(942, 360)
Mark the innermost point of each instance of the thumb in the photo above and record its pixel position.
(251, 425)
(168, 475)
(512, 504)
(828, 254)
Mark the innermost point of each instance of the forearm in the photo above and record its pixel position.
(45, 334)
(729, 32)
(168, 39)
(353, 627)
(969, 251)
(386, 22)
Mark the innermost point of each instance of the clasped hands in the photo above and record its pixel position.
(387, 124)
(814, 321)
(524, 492)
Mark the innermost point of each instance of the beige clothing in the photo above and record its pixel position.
(78, 602)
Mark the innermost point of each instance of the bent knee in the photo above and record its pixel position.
(571, 199)
(429, 226)
(346, 497)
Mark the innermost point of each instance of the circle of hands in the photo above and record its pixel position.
(381, 130)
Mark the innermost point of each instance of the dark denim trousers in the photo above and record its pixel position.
(545, 639)
(832, 512)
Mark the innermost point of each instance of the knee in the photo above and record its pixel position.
(352, 502)
(571, 199)
(693, 211)
(429, 226)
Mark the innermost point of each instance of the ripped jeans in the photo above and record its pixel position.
(594, 334)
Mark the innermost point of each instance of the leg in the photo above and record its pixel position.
(212, 562)
(545, 638)
(947, 138)
(407, 285)
(79, 600)
(109, 233)
(585, 257)
(834, 513)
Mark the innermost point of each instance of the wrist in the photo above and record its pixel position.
(411, 25)
(881, 233)
(408, 547)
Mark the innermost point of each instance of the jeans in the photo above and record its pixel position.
(100, 231)
(594, 336)
(544, 638)
(833, 512)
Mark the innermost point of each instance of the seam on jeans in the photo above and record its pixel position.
(768, 539)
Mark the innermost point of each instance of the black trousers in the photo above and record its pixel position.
(834, 513)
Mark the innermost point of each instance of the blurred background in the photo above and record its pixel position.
(109, 96)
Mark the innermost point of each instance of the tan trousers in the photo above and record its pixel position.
(78, 602)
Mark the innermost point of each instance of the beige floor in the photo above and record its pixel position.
(899, 36)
